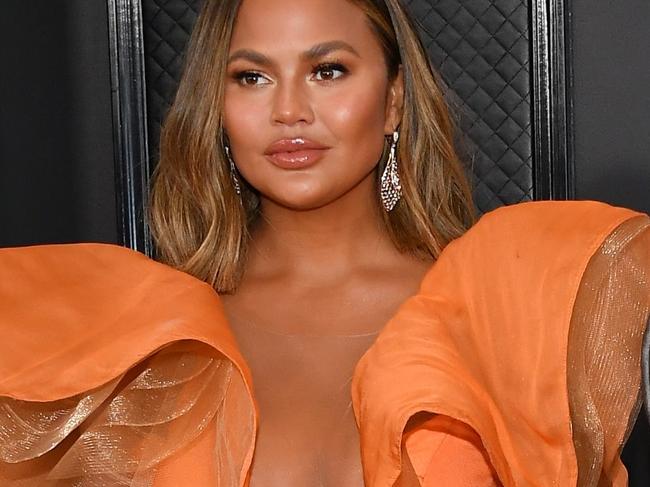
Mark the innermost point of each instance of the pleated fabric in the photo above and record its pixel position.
(519, 357)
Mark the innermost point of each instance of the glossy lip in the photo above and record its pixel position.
(295, 153)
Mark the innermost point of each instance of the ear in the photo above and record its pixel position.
(394, 102)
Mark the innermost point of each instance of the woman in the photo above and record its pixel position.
(472, 371)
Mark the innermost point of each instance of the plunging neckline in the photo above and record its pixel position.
(254, 388)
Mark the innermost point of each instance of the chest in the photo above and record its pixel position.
(302, 352)
(307, 431)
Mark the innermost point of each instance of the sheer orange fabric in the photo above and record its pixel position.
(521, 352)
(111, 363)
(446, 452)
(532, 295)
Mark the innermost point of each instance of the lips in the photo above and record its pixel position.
(295, 153)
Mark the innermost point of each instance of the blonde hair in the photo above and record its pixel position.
(199, 222)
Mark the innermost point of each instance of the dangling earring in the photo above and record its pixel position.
(391, 189)
(233, 171)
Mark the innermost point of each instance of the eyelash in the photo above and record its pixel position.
(331, 66)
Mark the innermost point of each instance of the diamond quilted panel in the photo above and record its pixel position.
(167, 27)
(480, 47)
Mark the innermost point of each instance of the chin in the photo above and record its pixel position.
(300, 202)
(300, 195)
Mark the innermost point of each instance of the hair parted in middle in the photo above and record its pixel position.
(202, 226)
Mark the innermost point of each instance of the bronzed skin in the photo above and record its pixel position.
(320, 262)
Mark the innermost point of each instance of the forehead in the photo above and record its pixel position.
(269, 25)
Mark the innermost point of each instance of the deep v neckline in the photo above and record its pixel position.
(395, 315)
(253, 386)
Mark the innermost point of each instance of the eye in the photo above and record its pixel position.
(329, 71)
(251, 78)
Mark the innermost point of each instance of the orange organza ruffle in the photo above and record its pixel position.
(527, 331)
(111, 364)
(519, 351)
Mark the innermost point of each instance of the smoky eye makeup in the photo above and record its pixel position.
(249, 77)
(326, 71)
(329, 70)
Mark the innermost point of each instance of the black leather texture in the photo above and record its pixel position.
(167, 28)
(481, 49)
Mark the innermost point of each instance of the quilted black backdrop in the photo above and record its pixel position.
(167, 28)
(480, 47)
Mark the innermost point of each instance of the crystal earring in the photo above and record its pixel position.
(391, 189)
(233, 171)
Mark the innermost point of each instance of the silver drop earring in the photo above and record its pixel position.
(233, 171)
(391, 188)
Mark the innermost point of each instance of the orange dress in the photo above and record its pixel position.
(523, 342)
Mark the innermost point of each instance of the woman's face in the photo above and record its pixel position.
(308, 101)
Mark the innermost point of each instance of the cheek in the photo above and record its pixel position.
(355, 115)
(242, 115)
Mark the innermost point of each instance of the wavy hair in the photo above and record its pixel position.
(201, 226)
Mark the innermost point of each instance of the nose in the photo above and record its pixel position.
(291, 104)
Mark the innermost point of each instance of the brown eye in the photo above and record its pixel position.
(251, 78)
(329, 72)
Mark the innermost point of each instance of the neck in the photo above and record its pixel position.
(327, 241)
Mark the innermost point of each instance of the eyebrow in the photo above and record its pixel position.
(314, 52)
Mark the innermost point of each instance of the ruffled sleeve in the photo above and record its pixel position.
(112, 368)
(526, 333)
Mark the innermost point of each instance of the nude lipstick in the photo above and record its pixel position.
(295, 153)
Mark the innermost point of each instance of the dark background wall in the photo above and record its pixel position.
(612, 130)
(612, 101)
(56, 156)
